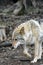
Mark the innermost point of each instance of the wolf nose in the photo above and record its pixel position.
(12, 47)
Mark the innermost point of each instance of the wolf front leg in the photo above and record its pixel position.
(36, 53)
(40, 50)
(26, 51)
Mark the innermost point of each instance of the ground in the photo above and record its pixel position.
(9, 56)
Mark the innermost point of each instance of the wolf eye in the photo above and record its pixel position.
(16, 39)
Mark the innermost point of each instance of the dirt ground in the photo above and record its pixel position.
(9, 56)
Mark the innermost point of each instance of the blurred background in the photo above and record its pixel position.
(21, 7)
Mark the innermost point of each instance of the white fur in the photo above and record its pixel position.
(26, 36)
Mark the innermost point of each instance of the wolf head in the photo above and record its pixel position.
(17, 37)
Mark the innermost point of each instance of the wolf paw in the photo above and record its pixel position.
(34, 60)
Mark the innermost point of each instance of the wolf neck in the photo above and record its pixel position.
(26, 35)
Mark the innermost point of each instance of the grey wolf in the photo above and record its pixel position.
(28, 33)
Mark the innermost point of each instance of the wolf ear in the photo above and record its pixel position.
(22, 31)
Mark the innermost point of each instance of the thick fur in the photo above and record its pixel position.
(29, 32)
